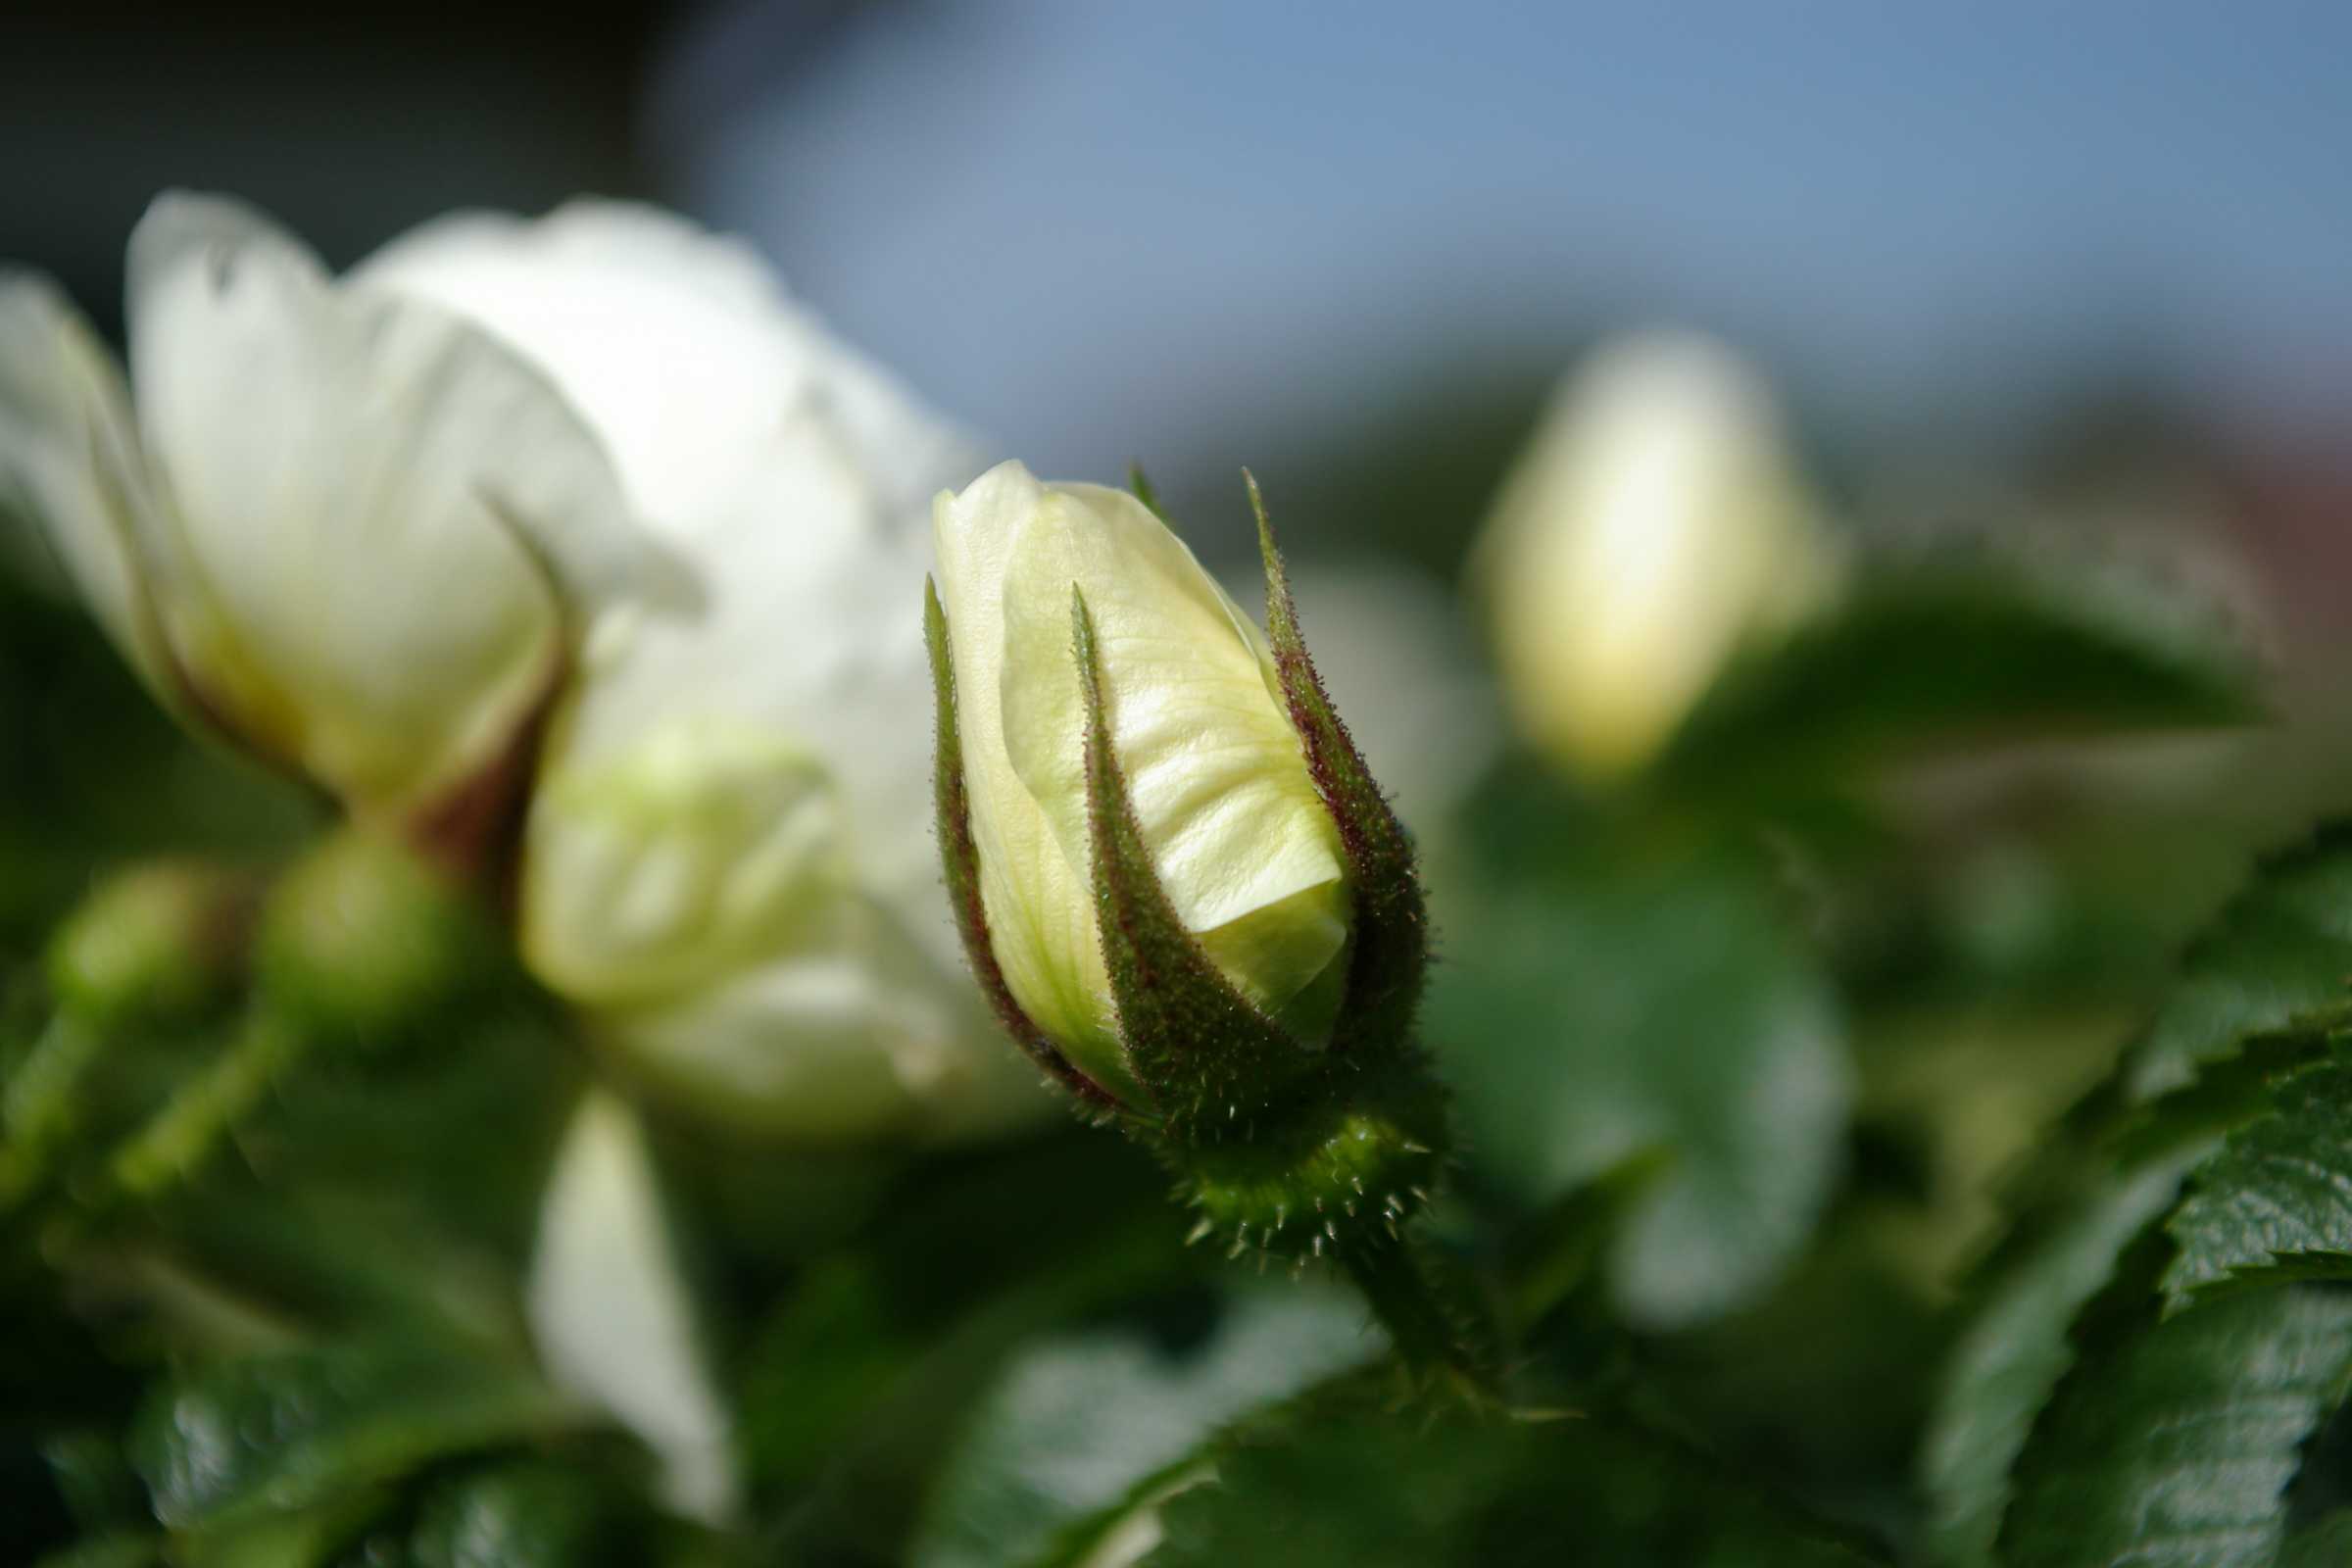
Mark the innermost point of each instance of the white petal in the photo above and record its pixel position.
(680, 348)
(349, 474)
(806, 655)
(70, 461)
(610, 1313)
(867, 1039)
(1040, 922)
(791, 473)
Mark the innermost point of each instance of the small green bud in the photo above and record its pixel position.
(160, 944)
(362, 939)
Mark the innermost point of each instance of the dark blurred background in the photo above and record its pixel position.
(2023, 244)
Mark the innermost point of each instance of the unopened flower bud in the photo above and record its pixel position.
(1654, 526)
(363, 940)
(1186, 897)
(1243, 848)
(160, 944)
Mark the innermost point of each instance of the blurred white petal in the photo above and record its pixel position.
(1654, 525)
(341, 472)
(70, 461)
(610, 1310)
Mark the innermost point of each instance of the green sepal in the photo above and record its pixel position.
(960, 859)
(1390, 951)
(1209, 1058)
(1333, 1174)
(1140, 488)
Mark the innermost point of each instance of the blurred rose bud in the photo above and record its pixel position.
(335, 525)
(1654, 526)
(725, 861)
(1243, 845)
(158, 944)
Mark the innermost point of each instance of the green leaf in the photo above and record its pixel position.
(2013, 1355)
(270, 1434)
(1674, 1014)
(1937, 658)
(308, 1537)
(2174, 1442)
(1346, 1480)
(1082, 1431)
(2279, 955)
(528, 1514)
(2275, 1198)
(2326, 1545)
(113, 1549)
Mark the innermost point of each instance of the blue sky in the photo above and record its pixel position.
(1196, 229)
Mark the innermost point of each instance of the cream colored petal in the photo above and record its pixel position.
(70, 461)
(860, 1038)
(1040, 916)
(805, 654)
(610, 1310)
(680, 347)
(1213, 766)
(709, 844)
(1654, 525)
(797, 1050)
(354, 479)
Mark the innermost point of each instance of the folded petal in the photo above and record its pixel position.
(868, 1038)
(70, 461)
(1213, 766)
(1041, 923)
(708, 845)
(373, 508)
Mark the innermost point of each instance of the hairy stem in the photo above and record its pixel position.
(1429, 1319)
(183, 1134)
(37, 1112)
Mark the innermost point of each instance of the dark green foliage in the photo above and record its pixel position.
(2175, 1442)
(1665, 1011)
(2015, 1352)
(1335, 1480)
(2272, 1202)
(266, 1435)
(1930, 659)
(2280, 953)
(1080, 1432)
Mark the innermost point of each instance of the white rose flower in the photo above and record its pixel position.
(336, 525)
(728, 857)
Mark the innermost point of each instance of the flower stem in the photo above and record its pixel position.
(1430, 1320)
(37, 1112)
(183, 1134)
